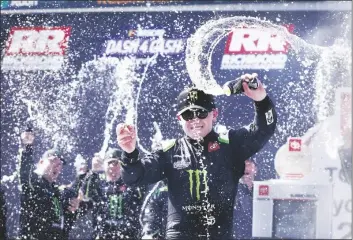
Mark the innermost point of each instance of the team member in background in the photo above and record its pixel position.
(82, 228)
(115, 207)
(45, 213)
(203, 167)
(242, 221)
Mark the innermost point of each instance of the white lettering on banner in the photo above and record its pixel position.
(36, 48)
(146, 33)
(250, 48)
(255, 61)
(18, 3)
(32, 63)
(144, 46)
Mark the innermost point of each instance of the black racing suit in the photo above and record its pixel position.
(154, 212)
(115, 208)
(202, 175)
(44, 213)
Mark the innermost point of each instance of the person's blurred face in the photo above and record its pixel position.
(249, 173)
(112, 169)
(197, 123)
(51, 168)
(81, 169)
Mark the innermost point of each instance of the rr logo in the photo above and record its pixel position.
(116, 205)
(197, 173)
(193, 96)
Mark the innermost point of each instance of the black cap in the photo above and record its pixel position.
(194, 98)
(54, 152)
(112, 154)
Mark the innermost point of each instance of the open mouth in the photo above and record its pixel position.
(196, 128)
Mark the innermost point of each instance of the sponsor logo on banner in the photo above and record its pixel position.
(143, 43)
(295, 144)
(17, 3)
(36, 48)
(252, 48)
(263, 190)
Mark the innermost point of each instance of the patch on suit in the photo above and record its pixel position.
(213, 146)
(252, 127)
(269, 116)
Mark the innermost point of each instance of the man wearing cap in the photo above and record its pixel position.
(115, 206)
(45, 214)
(203, 167)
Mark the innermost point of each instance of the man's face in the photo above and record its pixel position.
(81, 169)
(112, 168)
(197, 123)
(52, 167)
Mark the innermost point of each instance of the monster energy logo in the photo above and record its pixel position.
(57, 208)
(116, 206)
(198, 174)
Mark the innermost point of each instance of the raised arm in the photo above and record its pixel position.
(250, 139)
(26, 158)
(138, 170)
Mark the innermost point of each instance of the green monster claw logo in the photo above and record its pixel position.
(193, 96)
(57, 208)
(116, 206)
(197, 174)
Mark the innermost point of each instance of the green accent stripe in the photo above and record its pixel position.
(223, 140)
(169, 146)
(87, 188)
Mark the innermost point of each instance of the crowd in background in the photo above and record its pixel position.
(97, 202)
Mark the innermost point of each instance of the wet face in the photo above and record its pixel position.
(51, 168)
(81, 169)
(112, 168)
(197, 123)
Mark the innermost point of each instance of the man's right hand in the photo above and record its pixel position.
(126, 136)
(27, 138)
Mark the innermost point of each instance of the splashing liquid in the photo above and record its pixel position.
(332, 60)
